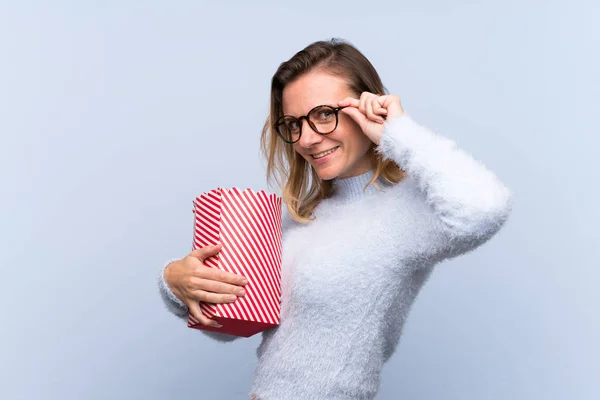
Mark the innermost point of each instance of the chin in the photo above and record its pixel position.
(327, 174)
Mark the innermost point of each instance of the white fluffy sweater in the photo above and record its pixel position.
(349, 278)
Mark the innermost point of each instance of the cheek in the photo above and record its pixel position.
(350, 133)
(347, 123)
(349, 129)
(298, 151)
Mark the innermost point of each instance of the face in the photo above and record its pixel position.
(347, 144)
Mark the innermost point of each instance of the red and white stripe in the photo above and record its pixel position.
(248, 226)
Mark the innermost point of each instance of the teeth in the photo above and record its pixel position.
(323, 154)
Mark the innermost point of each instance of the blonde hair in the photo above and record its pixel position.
(302, 189)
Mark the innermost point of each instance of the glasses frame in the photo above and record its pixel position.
(279, 121)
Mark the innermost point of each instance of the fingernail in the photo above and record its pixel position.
(244, 281)
(217, 325)
(241, 292)
(232, 298)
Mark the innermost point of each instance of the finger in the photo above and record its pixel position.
(392, 104)
(216, 287)
(373, 109)
(356, 115)
(379, 105)
(369, 110)
(216, 274)
(206, 252)
(194, 309)
(389, 99)
(214, 298)
(362, 107)
(349, 101)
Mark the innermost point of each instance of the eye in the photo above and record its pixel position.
(292, 124)
(325, 114)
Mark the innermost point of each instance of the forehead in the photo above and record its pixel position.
(313, 89)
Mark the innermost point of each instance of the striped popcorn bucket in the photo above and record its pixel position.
(247, 224)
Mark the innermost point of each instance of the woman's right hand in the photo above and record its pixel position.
(192, 282)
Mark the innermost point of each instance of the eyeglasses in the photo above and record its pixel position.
(322, 119)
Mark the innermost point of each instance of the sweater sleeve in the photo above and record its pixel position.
(180, 309)
(469, 201)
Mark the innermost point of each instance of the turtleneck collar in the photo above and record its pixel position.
(354, 186)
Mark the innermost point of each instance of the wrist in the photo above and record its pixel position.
(168, 272)
(165, 277)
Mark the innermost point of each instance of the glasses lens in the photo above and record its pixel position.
(289, 129)
(324, 119)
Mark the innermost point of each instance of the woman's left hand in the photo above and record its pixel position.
(371, 111)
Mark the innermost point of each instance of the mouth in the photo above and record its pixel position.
(324, 153)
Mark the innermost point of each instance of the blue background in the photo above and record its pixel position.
(115, 114)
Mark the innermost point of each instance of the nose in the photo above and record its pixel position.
(309, 137)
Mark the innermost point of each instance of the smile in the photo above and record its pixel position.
(323, 154)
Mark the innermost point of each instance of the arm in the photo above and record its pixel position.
(468, 199)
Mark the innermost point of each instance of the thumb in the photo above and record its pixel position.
(205, 252)
(356, 115)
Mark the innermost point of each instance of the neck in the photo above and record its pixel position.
(354, 186)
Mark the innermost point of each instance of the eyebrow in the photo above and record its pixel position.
(304, 115)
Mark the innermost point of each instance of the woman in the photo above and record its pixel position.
(374, 201)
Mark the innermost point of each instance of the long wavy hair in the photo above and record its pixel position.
(302, 189)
